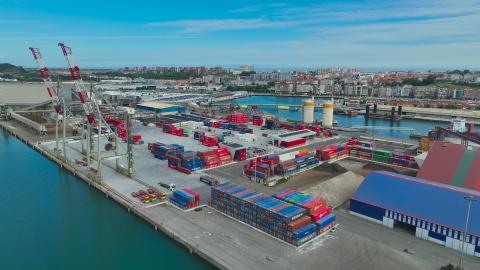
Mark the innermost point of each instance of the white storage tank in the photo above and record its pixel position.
(328, 114)
(308, 111)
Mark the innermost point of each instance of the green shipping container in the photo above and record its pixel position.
(382, 153)
(353, 152)
(380, 158)
(297, 198)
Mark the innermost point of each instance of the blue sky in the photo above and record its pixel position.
(437, 34)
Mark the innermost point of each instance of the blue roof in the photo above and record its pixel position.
(429, 201)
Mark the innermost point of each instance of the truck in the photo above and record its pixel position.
(170, 187)
(209, 180)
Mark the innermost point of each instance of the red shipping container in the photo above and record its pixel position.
(315, 205)
(299, 223)
(321, 213)
(293, 143)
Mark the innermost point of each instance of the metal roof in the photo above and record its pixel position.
(432, 202)
(452, 164)
(156, 105)
(295, 133)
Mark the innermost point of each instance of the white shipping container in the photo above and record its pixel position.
(247, 137)
(194, 125)
(287, 156)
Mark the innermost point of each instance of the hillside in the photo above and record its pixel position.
(7, 68)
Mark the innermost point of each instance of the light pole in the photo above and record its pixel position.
(470, 199)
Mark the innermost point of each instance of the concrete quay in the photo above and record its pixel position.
(228, 244)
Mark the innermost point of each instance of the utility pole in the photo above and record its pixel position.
(129, 146)
(470, 199)
(64, 124)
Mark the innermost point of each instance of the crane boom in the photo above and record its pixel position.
(45, 75)
(88, 102)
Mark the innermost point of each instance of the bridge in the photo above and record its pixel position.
(469, 115)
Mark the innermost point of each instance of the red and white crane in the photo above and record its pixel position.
(95, 117)
(58, 105)
(45, 74)
(88, 102)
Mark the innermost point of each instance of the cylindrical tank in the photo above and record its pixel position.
(308, 110)
(328, 114)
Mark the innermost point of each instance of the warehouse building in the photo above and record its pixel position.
(452, 164)
(160, 107)
(428, 210)
(293, 138)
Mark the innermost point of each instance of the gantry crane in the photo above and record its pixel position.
(58, 104)
(95, 118)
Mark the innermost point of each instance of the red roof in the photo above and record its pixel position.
(452, 164)
(442, 162)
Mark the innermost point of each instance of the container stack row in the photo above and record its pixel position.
(172, 129)
(257, 120)
(185, 198)
(161, 151)
(188, 161)
(278, 218)
(283, 165)
(316, 208)
(216, 157)
(331, 152)
(238, 118)
(365, 150)
(185, 162)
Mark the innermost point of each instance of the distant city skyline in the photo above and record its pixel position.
(301, 34)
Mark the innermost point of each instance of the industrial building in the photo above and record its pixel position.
(293, 138)
(452, 164)
(431, 211)
(160, 107)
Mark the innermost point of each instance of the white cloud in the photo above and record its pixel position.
(213, 25)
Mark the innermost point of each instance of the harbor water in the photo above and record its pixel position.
(51, 220)
(384, 127)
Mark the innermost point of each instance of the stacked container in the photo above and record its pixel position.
(315, 207)
(185, 198)
(401, 158)
(238, 118)
(172, 129)
(325, 223)
(275, 217)
(161, 151)
(209, 141)
(190, 160)
(223, 155)
(257, 120)
(209, 158)
(332, 152)
(381, 155)
(361, 152)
